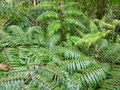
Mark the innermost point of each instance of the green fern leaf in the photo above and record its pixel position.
(46, 4)
(71, 4)
(74, 21)
(53, 27)
(93, 27)
(77, 64)
(48, 15)
(52, 41)
(94, 76)
(89, 39)
(35, 35)
(113, 82)
(72, 11)
(18, 32)
(67, 53)
(5, 39)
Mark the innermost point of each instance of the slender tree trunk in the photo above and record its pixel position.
(101, 8)
(63, 32)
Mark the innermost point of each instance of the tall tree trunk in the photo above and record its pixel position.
(63, 32)
(101, 8)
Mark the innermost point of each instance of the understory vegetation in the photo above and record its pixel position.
(59, 45)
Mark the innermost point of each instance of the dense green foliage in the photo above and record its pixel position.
(57, 45)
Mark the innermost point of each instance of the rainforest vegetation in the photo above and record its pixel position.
(59, 44)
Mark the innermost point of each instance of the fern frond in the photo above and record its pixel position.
(92, 76)
(89, 39)
(68, 53)
(53, 27)
(73, 39)
(52, 41)
(99, 74)
(13, 14)
(43, 83)
(42, 55)
(12, 82)
(72, 11)
(103, 24)
(48, 15)
(71, 4)
(35, 35)
(113, 82)
(45, 5)
(60, 77)
(15, 78)
(93, 27)
(18, 33)
(6, 9)
(116, 22)
(110, 53)
(5, 39)
(10, 55)
(14, 36)
(74, 21)
(77, 64)
(102, 45)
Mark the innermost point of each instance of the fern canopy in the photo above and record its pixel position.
(53, 45)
